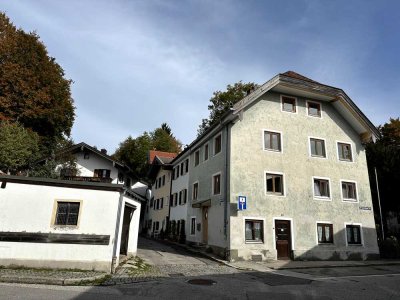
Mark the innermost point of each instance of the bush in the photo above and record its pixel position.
(390, 248)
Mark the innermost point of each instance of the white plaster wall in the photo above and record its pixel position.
(249, 162)
(86, 167)
(134, 226)
(29, 208)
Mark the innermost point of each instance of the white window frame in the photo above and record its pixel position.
(309, 147)
(263, 140)
(250, 218)
(295, 103)
(316, 233)
(349, 200)
(265, 183)
(323, 198)
(361, 234)
(215, 137)
(198, 188)
(212, 183)
(195, 224)
(320, 107)
(352, 152)
(208, 152)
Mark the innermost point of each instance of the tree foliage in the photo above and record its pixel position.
(33, 90)
(19, 147)
(221, 102)
(134, 151)
(384, 155)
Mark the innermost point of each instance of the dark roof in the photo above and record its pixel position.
(81, 146)
(298, 76)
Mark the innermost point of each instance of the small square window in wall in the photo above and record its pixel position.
(325, 233)
(254, 231)
(321, 188)
(217, 144)
(349, 191)
(67, 213)
(314, 109)
(344, 151)
(196, 158)
(272, 141)
(353, 234)
(317, 147)
(289, 104)
(274, 184)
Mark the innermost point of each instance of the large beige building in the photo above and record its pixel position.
(292, 154)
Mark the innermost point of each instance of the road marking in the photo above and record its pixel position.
(359, 276)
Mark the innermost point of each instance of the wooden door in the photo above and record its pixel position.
(283, 239)
(205, 225)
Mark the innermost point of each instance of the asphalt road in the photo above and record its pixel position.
(377, 282)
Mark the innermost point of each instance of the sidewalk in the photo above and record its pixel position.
(51, 276)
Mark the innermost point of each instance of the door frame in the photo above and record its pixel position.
(291, 233)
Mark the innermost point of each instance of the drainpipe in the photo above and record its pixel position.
(117, 233)
(226, 183)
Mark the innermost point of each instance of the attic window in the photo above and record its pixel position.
(314, 109)
(86, 155)
(289, 104)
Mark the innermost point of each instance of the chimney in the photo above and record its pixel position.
(104, 151)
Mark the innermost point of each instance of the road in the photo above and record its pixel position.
(377, 282)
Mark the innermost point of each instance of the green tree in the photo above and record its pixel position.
(221, 102)
(33, 90)
(384, 155)
(18, 147)
(134, 151)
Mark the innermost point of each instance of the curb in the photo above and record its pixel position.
(49, 281)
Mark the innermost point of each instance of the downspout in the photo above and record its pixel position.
(227, 145)
(116, 233)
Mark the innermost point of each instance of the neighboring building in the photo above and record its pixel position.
(178, 210)
(157, 209)
(51, 223)
(94, 166)
(294, 150)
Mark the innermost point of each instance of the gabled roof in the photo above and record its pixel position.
(82, 147)
(160, 154)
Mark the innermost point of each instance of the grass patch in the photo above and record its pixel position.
(138, 266)
(96, 282)
(23, 268)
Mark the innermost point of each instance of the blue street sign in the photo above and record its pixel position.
(242, 203)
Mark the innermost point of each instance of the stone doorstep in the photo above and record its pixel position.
(48, 280)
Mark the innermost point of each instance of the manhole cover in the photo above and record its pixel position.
(202, 281)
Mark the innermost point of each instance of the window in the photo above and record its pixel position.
(187, 165)
(175, 199)
(321, 188)
(182, 169)
(272, 141)
(274, 184)
(171, 200)
(254, 231)
(180, 198)
(288, 104)
(205, 152)
(344, 152)
(314, 109)
(195, 191)
(120, 177)
(217, 144)
(317, 147)
(216, 184)
(158, 204)
(177, 171)
(161, 203)
(193, 226)
(67, 213)
(184, 196)
(196, 158)
(163, 180)
(325, 233)
(159, 182)
(349, 191)
(86, 155)
(102, 173)
(353, 234)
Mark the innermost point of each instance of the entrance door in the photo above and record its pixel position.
(283, 241)
(128, 213)
(205, 225)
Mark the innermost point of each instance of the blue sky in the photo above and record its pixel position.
(137, 64)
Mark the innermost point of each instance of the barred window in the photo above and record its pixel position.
(67, 213)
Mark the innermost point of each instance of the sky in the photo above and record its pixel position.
(137, 64)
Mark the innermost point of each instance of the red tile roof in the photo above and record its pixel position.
(161, 154)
